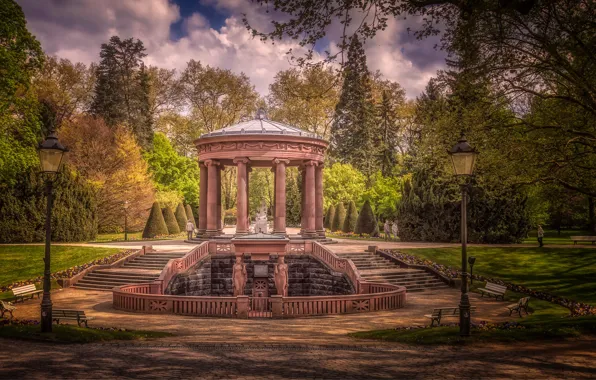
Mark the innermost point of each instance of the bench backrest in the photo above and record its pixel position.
(68, 314)
(496, 287)
(4, 305)
(588, 238)
(23, 289)
(524, 301)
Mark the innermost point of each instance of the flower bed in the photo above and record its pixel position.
(70, 272)
(576, 308)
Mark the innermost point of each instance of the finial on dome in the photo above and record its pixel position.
(261, 114)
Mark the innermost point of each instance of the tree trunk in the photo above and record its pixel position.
(591, 216)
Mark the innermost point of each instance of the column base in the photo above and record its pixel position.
(210, 233)
(241, 233)
(283, 233)
(321, 233)
(310, 235)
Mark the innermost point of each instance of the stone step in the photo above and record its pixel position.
(143, 266)
(150, 261)
(110, 281)
(122, 279)
(414, 276)
(83, 285)
(123, 275)
(163, 254)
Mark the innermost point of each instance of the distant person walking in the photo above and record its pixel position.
(387, 230)
(190, 227)
(540, 234)
(394, 229)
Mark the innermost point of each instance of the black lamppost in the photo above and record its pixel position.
(463, 157)
(51, 153)
(126, 204)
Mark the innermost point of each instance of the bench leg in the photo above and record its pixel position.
(510, 311)
(519, 311)
(86, 324)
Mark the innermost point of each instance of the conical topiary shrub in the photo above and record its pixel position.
(170, 220)
(329, 217)
(181, 218)
(367, 223)
(190, 215)
(351, 218)
(339, 218)
(156, 225)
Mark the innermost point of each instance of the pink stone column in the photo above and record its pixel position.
(302, 199)
(202, 199)
(248, 170)
(212, 169)
(219, 224)
(319, 200)
(241, 196)
(279, 221)
(309, 199)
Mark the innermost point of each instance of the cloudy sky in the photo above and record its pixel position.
(175, 31)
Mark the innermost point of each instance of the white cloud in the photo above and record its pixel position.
(76, 30)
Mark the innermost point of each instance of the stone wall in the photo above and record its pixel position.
(307, 277)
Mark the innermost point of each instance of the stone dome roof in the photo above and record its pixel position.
(261, 126)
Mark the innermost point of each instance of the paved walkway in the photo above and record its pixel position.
(315, 347)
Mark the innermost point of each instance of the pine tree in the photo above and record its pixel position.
(329, 216)
(170, 220)
(351, 218)
(339, 217)
(156, 225)
(122, 88)
(181, 217)
(353, 132)
(366, 223)
(190, 214)
(388, 133)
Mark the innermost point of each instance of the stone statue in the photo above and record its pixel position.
(281, 277)
(239, 277)
(261, 219)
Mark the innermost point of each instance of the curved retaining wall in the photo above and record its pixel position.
(149, 297)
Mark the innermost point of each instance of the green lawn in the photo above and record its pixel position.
(24, 262)
(566, 272)
(117, 237)
(546, 321)
(553, 237)
(75, 334)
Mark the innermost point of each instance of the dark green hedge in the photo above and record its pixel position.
(366, 222)
(351, 218)
(156, 225)
(430, 210)
(23, 209)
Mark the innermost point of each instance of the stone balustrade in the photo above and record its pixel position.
(149, 298)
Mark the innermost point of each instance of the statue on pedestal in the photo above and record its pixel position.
(261, 219)
(281, 277)
(239, 277)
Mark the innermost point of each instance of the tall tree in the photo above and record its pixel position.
(388, 128)
(67, 86)
(219, 97)
(353, 131)
(305, 98)
(122, 88)
(20, 53)
(111, 161)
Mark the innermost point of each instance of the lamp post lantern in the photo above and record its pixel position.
(51, 153)
(126, 204)
(463, 158)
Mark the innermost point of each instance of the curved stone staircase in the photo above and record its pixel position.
(375, 268)
(141, 269)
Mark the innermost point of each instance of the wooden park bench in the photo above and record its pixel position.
(25, 291)
(583, 238)
(522, 304)
(74, 315)
(493, 289)
(445, 312)
(6, 307)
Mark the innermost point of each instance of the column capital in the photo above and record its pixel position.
(310, 163)
(211, 163)
(277, 161)
(244, 160)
